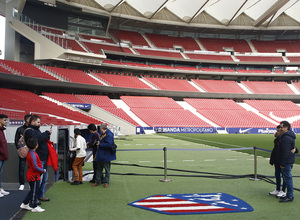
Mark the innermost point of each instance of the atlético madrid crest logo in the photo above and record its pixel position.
(184, 204)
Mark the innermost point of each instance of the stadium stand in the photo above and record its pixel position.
(137, 64)
(168, 42)
(291, 46)
(253, 71)
(96, 38)
(25, 69)
(278, 110)
(50, 111)
(74, 45)
(260, 59)
(187, 68)
(219, 86)
(105, 103)
(219, 45)
(162, 66)
(122, 81)
(97, 47)
(217, 70)
(135, 38)
(159, 53)
(215, 57)
(114, 62)
(172, 84)
(227, 113)
(162, 112)
(268, 87)
(77, 76)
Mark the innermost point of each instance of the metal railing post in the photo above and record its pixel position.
(165, 167)
(255, 164)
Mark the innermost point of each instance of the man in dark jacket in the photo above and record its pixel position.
(3, 149)
(93, 144)
(104, 155)
(275, 160)
(22, 161)
(42, 150)
(287, 158)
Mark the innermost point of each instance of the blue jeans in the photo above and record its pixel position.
(1, 168)
(44, 178)
(278, 179)
(288, 179)
(22, 163)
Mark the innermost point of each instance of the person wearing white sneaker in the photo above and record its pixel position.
(3, 148)
(21, 187)
(274, 160)
(25, 206)
(281, 194)
(1, 195)
(33, 175)
(38, 209)
(3, 192)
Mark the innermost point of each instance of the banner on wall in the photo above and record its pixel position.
(200, 130)
(81, 105)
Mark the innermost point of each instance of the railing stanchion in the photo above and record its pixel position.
(255, 164)
(165, 167)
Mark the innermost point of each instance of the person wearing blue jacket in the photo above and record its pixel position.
(287, 158)
(104, 155)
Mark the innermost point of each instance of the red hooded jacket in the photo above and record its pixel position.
(3, 145)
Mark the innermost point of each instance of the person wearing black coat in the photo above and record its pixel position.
(287, 158)
(22, 161)
(42, 150)
(274, 160)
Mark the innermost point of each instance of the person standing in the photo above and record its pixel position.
(22, 161)
(94, 145)
(104, 156)
(42, 150)
(287, 158)
(3, 150)
(79, 147)
(33, 176)
(275, 160)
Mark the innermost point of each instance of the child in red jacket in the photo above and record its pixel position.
(33, 176)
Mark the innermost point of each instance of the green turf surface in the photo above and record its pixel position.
(86, 202)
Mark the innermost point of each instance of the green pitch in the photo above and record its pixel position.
(86, 202)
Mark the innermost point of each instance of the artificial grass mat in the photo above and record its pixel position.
(86, 202)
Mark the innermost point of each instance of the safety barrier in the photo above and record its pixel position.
(255, 176)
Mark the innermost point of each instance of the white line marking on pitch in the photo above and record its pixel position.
(145, 161)
(123, 161)
(210, 160)
(168, 161)
(231, 159)
(188, 160)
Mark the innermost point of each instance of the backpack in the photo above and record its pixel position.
(22, 148)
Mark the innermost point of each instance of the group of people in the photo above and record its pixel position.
(36, 141)
(103, 153)
(36, 159)
(283, 158)
(103, 148)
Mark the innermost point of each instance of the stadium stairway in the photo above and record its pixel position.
(187, 106)
(122, 105)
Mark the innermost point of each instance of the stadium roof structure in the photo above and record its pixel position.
(205, 15)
